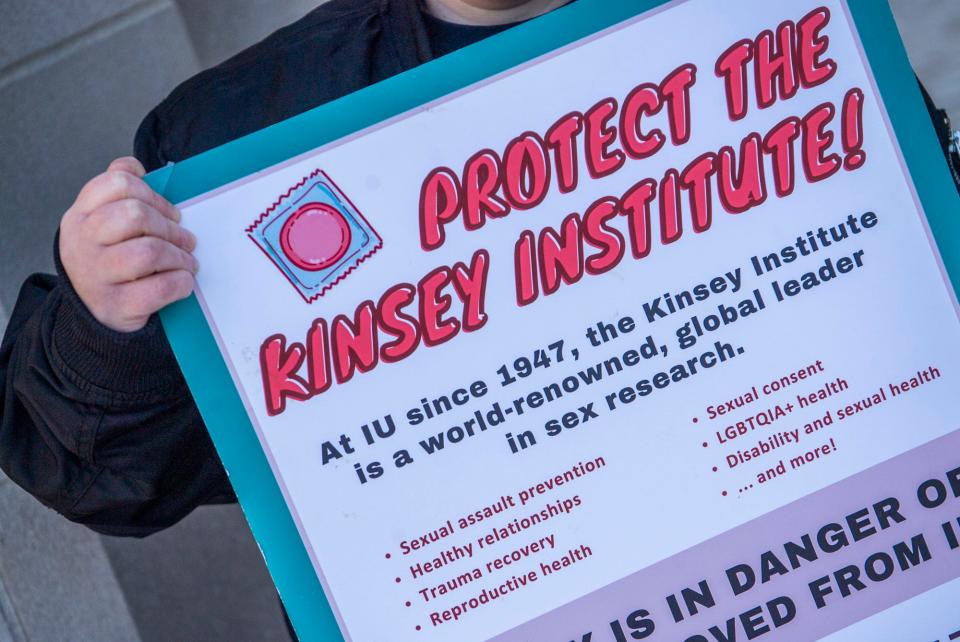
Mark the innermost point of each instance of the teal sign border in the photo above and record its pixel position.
(194, 344)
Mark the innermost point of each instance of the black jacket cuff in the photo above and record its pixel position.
(125, 362)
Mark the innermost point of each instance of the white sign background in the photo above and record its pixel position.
(879, 324)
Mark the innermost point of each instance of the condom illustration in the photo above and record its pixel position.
(314, 235)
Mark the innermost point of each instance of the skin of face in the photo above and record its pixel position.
(497, 4)
(490, 12)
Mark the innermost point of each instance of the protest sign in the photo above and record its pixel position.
(630, 323)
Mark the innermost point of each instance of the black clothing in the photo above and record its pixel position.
(446, 37)
(100, 425)
(944, 129)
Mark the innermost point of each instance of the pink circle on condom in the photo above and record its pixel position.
(315, 237)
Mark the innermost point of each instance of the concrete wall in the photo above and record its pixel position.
(931, 31)
(76, 77)
(56, 581)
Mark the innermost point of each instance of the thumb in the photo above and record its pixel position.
(128, 164)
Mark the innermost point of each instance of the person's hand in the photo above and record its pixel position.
(123, 249)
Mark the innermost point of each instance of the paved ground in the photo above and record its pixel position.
(61, 120)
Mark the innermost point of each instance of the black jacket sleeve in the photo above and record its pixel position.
(99, 425)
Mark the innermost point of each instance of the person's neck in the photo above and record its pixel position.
(467, 12)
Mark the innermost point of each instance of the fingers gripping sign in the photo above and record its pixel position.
(123, 248)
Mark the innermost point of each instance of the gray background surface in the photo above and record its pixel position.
(76, 77)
